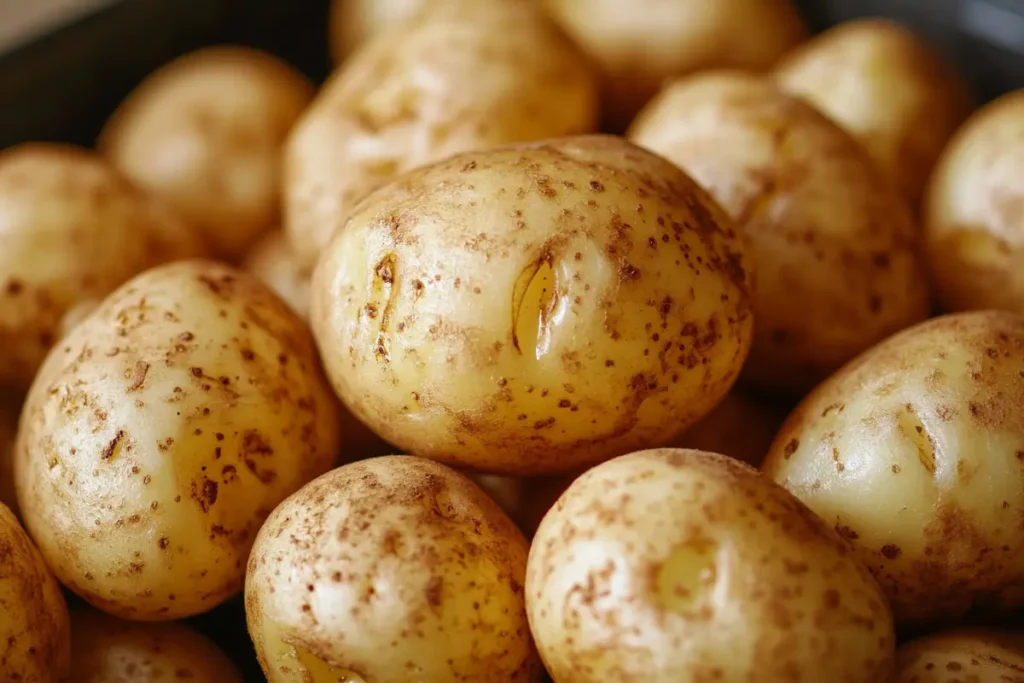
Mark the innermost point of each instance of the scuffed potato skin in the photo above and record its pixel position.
(741, 426)
(962, 656)
(353, 22)
(273, 261)
(887, 87)
(973, 216)
(205, 132)
(108, 650)
(391, 569)
(162, 432)
(71, 230)
(534, 309)
(678, 565)
(914, 453)
(34, 628)
(460, 75)
(834, 250)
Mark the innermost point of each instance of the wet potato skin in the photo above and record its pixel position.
(162, 431)
(390, 569)
(460, 75)
(584, 298)
(962, 656)
(34, 629)
(678, 565)
(915, 453)
(834, 250)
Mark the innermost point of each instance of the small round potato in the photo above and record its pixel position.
(973, 220)
(71, 231)
(915, 453)
(205, 134)
(391, 569)
(352, 22)
(461, 75)
(833, 246)
(273, 261)
(34, 625)
(641, 43)
(963, 656)
(525, 499)
(584, 298)
(741, 426)
(677, 565)
(888, 88)
(108, 650)
(161, 433)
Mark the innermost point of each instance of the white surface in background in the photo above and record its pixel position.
(23, 20)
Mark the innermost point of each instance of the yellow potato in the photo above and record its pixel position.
(108, 650)
(963, 656)
(161, 433)
(741, 426)
(678, 565)
(205, 134)
(71, 231)
(915, 453)
(273, 261)
(34, 626)
(639, 44)
(386, 570)
(525, 499)
(973, 215)
(888, 88)
(534, 309)
(461, 75)
(352, 22)
(833, 246)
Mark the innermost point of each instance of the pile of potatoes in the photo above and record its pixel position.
(474, 363)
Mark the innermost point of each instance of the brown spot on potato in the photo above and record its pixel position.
(113, 447)
(891, 551)
(790, 448)
(139, 375)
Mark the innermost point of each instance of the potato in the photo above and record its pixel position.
(71, 230)
(741, 426)
(461, 75)
(915, 453)
(108, 650)
(273, 261)
(161, 433)
(641, 44)
(679, 565)
(391, 569)
(583, 298)
(352, 22)
(525, 499)
(833, 246)
(33, 617)
(888, 88)
(973, 221)
(8, 431)
(205, 133)
(962, 656)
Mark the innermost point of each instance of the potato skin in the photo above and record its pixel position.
(585, 298)
(161, 433)
(460, 75)
(71, 230)
(973, 223)
(962, 656)
(679, 565)
(525, 499)
(390, 569)
(741, 426)
(273, 261)
(352, 22)
(834, 249)
(914, 453)
(33, 617)
(888, 88)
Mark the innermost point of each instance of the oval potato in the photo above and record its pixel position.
(352, 22)
(460, 75)
(162, 432)
(834, 250)
(741, 426)
(390, 569)
(915, 453)
(962, 656)
(679, 565)
(584, 298)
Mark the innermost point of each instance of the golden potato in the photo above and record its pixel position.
(33, 617)
(273, 261)
(833, 247)
(525, 499)
(641, 44)
(973, 220)
(205, 134)
(679, 565)
(108, 650)
(352, 22)
(887, 87)
(71, 230)
(461, 75)
(583, 298)
(963, 656)
(386, 570)
(161, 433)
(741, 426)
(915, 453)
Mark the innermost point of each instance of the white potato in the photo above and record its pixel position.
(273, 261)
(161, 433)
(963, 656)
(352, 22)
